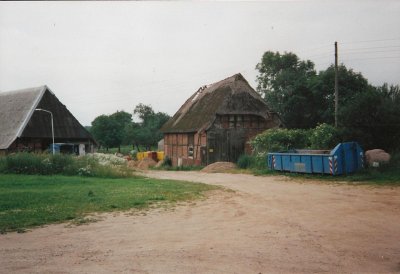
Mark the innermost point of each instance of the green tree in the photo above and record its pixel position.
(143, 111)
(130, 137)
(104, 131)
(123, 118)
(148, 133)
(373, 118)
(284, 82)
(323, 88)
(109, 130)
(304, 99)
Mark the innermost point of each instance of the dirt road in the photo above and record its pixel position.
(269, 224)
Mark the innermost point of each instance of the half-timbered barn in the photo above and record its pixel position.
(25, 123)
(216, 123)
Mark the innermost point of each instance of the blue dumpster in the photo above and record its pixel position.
(345, 158)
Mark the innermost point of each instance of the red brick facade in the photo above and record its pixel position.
(185, 146)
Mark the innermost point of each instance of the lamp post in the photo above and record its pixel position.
(52, 124)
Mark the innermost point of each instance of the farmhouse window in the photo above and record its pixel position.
(232, 122)
(191, 139)
(190, 151)
(239, 120)
(191, 144)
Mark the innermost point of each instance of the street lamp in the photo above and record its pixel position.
(52, 124)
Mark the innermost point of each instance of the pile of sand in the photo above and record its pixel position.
(133, 164)
(160, 163)
(219, 167)
(145, 163)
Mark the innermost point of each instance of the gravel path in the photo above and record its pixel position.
(267, 224)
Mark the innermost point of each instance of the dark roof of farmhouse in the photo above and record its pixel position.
(18, 117)
(232, 95)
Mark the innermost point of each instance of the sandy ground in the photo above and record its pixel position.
(267, 225)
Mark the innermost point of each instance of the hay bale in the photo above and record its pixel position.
(219, 167)
(376, 156)
(145, 163)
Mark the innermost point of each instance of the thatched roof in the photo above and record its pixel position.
(18, 117)
(232, 95)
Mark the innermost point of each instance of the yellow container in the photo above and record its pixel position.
(140, 155)
(160, 155)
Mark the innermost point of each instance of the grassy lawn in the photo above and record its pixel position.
(32, 200)
(126, 149)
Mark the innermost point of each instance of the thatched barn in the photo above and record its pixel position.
(23, 127)
(216, 123)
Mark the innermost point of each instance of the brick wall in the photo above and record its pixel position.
(186, 146)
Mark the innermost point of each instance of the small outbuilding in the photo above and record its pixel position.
(25, 123)
(216, 123)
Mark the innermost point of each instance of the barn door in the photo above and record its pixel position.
(218, 146)
(203, 155)
(211, 148)
(236, 143)
(224, 145)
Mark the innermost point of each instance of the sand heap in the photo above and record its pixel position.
(145, 163)
(219, 167)
(133, 164)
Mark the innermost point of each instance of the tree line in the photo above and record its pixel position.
(119, 128)
(304, 98)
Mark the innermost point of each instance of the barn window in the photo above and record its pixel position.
(191, 145)
(232, 123)
(191, 139)
(190, 151)
(239, 120)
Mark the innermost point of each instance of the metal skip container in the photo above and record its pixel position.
(345, 158)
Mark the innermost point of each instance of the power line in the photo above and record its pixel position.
(370, 51)
(348, 53)
(371, 58)
(368, 41)
(381, 47)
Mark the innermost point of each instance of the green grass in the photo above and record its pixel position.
(32, 200)
(366, 176)
(126, 149)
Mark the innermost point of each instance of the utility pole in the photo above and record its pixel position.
(336, 85)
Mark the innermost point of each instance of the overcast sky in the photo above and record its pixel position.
(100, 57)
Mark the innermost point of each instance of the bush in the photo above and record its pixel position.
(324, 136)
(59, 162)
(273, 140)
(2, 164)
(45, 164)
(167, 162)
(245, 161)
(392, 165)
(27, 163)
(252, 161)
